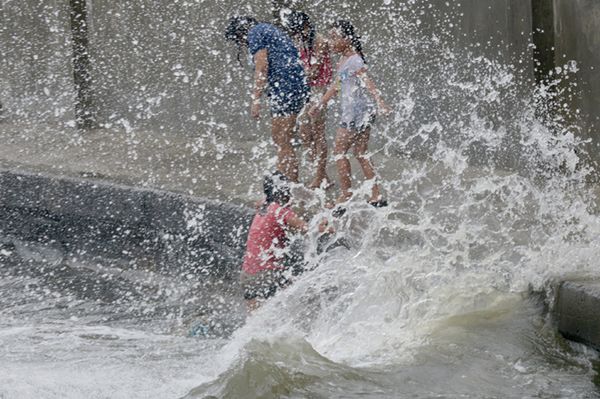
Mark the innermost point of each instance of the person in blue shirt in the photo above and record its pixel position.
(278, 73)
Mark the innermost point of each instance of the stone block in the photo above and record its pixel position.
(195, 218)
(68, 196)
(577, 311)
(109, 220)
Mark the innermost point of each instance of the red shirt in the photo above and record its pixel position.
(325, 74)
(267, 239)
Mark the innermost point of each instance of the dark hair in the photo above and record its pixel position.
(276, 188)
(237, 32)
(347, 30)
(296, 22)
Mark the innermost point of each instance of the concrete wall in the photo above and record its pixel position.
(160, 65)
(577, 311)
(577, 27)
(167, 65)
(498, 29)
(174, 232)
(35, 61)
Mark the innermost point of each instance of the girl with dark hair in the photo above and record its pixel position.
(316, 57)
(264, 262)
(278, 72)
(357, 109)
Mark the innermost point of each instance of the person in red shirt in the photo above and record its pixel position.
(263, 268)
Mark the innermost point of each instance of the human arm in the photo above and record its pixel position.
(298, 224)
(325, 228)
(261, 67)
(331, 92)
(373, 91)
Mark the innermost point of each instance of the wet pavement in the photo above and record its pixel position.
(224, 170)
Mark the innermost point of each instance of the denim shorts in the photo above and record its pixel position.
(286, 104)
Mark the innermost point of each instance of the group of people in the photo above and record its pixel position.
(294, 68)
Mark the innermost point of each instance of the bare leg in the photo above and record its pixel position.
(343, 142)
(282, 130)
(360, 149)
(320, 151)
(306, 135)
(312, 132)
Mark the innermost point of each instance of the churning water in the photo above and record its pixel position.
(445, 293)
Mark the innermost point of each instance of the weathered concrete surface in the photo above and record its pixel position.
(186, 165)
(229, 172)
(577, 27)
(166, 66)
(172, 231)
(36, 78)
(577, 311)
(498, 29)
(543, 38)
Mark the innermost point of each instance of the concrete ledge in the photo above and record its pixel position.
(175, 231)
(577, 311)
(68, 196)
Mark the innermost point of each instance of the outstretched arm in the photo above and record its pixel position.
(297, 224)
(331, 92)
(261, 68)
(373, 91)
(301, 226)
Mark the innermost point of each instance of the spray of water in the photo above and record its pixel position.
(489, 200)
(488, 191)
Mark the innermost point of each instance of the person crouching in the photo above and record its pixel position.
(264, 267)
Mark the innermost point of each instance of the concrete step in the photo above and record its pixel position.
(577, 311)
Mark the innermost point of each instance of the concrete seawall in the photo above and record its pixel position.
(577, 311)
(175, 233)
(155, 64)
(169, 231)
(36, 78)
(577, 26)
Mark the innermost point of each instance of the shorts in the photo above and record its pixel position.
(364, 124)
(262, 285)
(286, 104)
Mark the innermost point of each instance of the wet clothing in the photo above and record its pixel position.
(267, 239)
(318, 85)
(325, 73)
(287, 88)
(263, 267)
(357, 109)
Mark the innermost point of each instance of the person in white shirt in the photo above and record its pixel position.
(360, 102)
